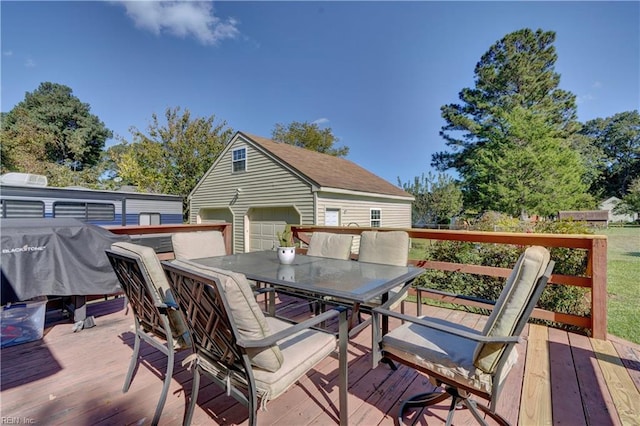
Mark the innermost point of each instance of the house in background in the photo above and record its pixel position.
(260, 186)
(609, 204)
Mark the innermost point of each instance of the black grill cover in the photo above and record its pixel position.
(58, 257)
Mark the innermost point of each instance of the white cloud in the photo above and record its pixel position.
(585, 98)
(596, 85)
(320, 121)
(30, 63)
(182, 19)
(7, 53)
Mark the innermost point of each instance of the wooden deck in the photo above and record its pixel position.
(76, 379)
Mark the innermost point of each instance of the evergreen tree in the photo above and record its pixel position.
(52, 132)
(510, 130)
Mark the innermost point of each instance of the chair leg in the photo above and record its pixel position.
(195, 386)
(452, 410)
(495, 416)
(134, 361)
(421, 400)
(165, 387)
(457, 398)
(473, 407)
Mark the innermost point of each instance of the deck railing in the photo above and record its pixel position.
(595, 277)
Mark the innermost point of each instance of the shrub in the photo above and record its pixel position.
(557, 298)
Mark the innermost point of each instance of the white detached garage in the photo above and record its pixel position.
(260, 186)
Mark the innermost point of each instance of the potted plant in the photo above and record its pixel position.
(286, 248)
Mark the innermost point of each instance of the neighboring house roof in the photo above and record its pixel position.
(327, 171)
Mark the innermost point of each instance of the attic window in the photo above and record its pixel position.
(239, 161)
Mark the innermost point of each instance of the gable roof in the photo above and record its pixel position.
(327, 171)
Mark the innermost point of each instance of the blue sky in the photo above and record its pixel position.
(377, 73)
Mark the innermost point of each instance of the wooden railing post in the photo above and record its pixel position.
(598, 263)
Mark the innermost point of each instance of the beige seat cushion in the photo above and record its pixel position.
(334, 246)
(247, 315)
(301, 351)
(510, 305)
(159, 283)
(446, 354)
(199, 244)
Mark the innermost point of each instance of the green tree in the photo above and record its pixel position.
(630, 203)
(309, 136)
(171, 157)
(515, 80)
(52, 132)
(530, 170)
(618, 139)
(437, 198)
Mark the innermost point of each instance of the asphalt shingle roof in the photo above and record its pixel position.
(326, 170)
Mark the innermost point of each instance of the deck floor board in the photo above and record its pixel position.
(77, 378)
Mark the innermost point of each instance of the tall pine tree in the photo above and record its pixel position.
(509, 137)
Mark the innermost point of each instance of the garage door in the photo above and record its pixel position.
(266, 222)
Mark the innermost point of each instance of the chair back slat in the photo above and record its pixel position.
(142, 298)
(206, 312)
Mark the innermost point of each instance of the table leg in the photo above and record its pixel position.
(343, 340)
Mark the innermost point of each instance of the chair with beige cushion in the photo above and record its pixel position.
(198, 244)
(460, 360)
(327, 244)
(387, 248)
(145, 285)
(252, 356)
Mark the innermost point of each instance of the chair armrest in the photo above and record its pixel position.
(450, 330)
(274, 338)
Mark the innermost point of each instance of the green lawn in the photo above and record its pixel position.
(623, 282)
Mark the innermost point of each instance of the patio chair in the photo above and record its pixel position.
(327, 244)
(252, 356)
(460, 360)
(146, 288)
(387, 248)
(198, 244)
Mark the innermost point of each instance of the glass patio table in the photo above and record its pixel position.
(352, 281)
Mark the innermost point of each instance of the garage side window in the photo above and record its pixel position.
(239, 160)
(376, 218)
